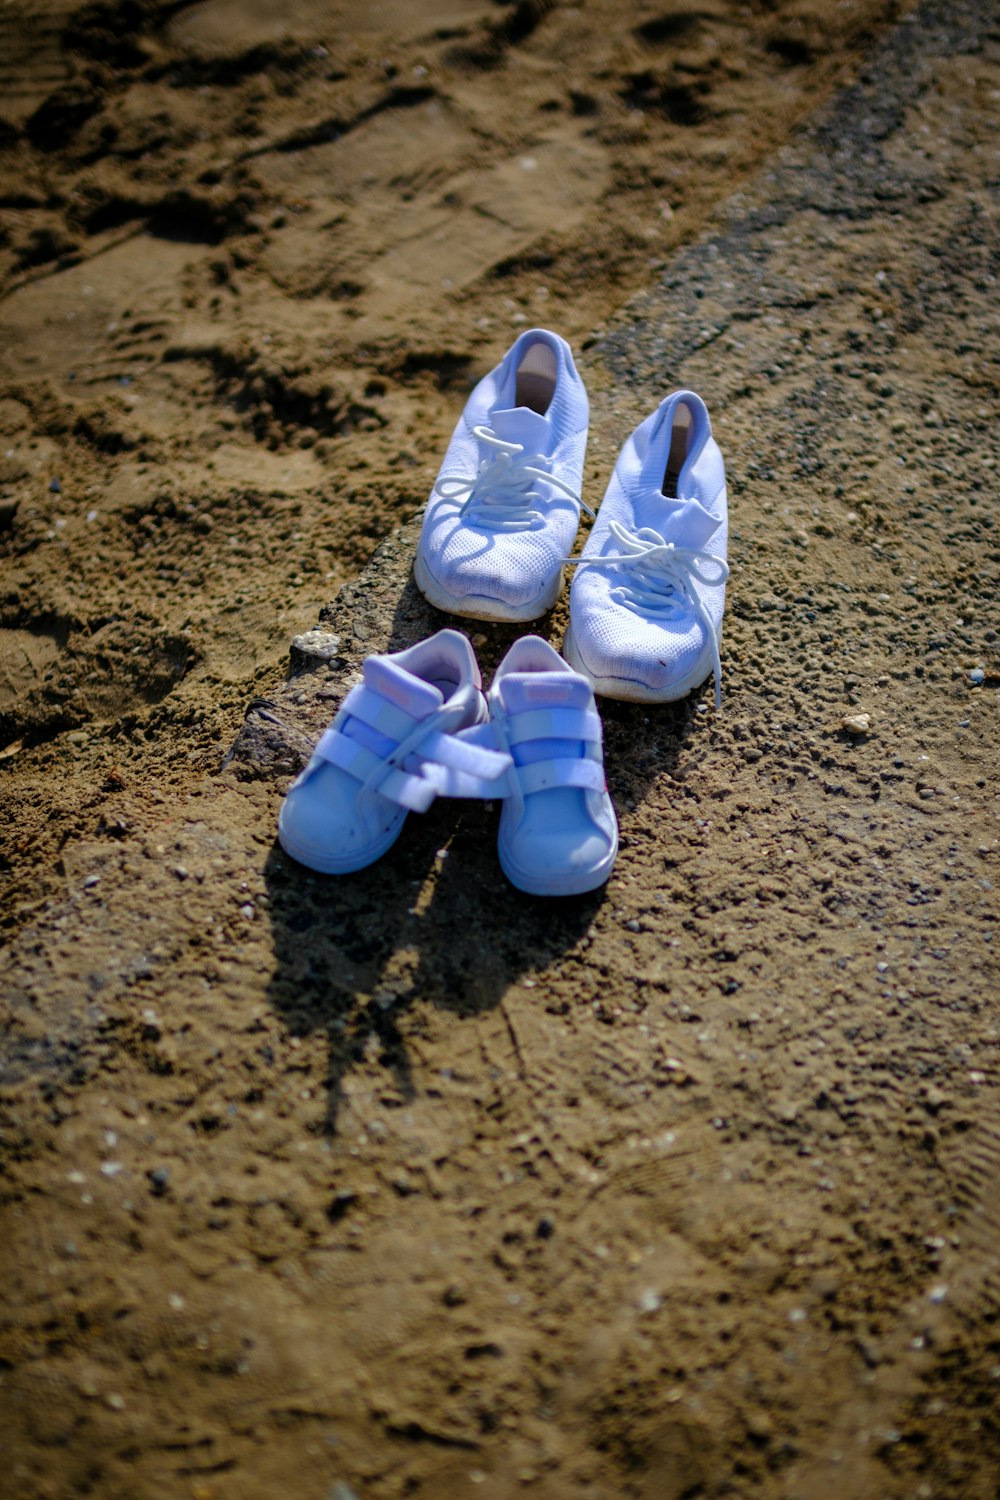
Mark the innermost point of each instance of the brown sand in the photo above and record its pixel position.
(406, 1185)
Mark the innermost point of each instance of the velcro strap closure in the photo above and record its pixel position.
(543, 775)
(443, 765)
(406, 785)
(467, 764)
(558, 723)
(350, 755)
(413, 791)
(473, 750)
(377, 712)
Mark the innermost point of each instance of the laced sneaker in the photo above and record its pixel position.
(558, 833)
(647, 599)
(505, 507)
(392, 748)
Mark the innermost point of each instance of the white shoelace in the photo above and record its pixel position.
(656, 572)
(503, 496)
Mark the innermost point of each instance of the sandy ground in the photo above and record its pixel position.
(407, 1184)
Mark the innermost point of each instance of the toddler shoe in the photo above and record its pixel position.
(392, 748)
(505, 507)
(558, 831)
(647, 599)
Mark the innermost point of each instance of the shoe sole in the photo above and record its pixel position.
(332, 864)
(627, 689)
(478, 606)
(575, 883)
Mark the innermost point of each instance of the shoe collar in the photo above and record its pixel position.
(657, 447)
(534, 675)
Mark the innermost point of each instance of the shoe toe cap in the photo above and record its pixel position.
(657, 656)
(322, 825)
(554, 857)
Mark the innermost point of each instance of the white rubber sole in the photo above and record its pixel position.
(477, 606)
(574, 883)
(338, 864)
(627, 689)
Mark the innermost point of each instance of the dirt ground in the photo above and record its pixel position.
(407, 1184)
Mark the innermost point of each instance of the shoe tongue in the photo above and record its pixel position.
(401, 687)
(525, 690)
(686, 523)
(521, 425)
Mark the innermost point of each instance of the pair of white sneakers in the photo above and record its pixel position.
(419, 726)
(649, 588)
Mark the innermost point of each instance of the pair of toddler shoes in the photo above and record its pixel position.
(418, 726)
(645, 625)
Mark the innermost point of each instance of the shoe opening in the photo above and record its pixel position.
(680, 439)
(442, 674)
(536, 378)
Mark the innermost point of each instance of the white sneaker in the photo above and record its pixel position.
(647, 600)
(558, 831)
(505, 508)
(391, 749)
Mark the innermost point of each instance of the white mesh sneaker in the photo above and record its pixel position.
(504, 510)
(396, 743)
(647, 599)
(558, 831)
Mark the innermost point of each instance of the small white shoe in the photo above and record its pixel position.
(391, 749)
(558, 832)
(650, 588)
(506, 505)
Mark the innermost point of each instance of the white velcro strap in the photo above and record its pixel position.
(474, 750)
(350, 755)
(378, 713)
(409, 786)
(543, 775)
(561, 723)
(443, 765)
(414, 791)
(466, 764)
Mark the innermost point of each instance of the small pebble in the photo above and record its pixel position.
(159, 1180)
(55, 488)
(319, 644)
(857, 724)
(977, 676)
